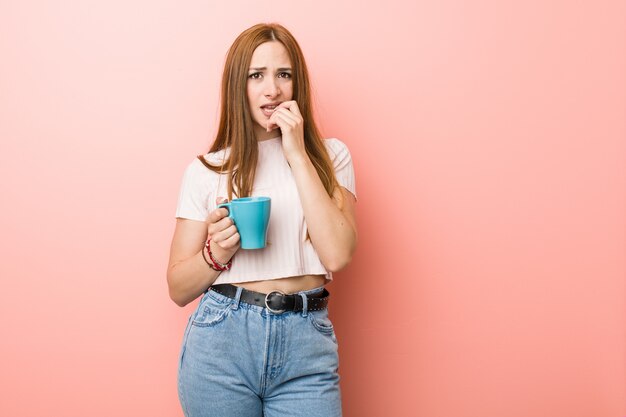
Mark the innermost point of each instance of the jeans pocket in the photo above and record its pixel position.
(321, 321)
(211, 311)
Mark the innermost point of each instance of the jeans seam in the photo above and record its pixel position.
(183, 402)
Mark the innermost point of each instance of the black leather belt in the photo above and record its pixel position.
(276, 301)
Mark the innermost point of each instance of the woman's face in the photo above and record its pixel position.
(269, 82)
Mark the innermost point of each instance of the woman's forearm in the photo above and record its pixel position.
(188, 279)
(332, 234)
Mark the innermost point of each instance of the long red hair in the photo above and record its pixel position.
(235, 129)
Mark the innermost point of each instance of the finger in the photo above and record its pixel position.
(231, 242)
(218, 214)
(214, 216)
(220, 226)
(285, 122)
(282, 110)
(277, 115)
(271, 126)
(291, 105)
(224, 235)
(271, 122)
(288, 114)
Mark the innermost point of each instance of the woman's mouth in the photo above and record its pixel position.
(267, 111)
(269, 108)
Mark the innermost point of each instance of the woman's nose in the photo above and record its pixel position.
(271, 89)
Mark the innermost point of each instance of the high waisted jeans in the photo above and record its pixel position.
(241, 360)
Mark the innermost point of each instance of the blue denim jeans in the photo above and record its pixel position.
(241, 360)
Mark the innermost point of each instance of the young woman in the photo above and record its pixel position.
(260, 342)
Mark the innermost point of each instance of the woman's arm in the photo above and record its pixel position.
(332, 231)
(188, 274)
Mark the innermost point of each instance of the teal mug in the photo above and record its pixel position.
(251, 215)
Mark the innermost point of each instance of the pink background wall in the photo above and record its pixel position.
(489, 145)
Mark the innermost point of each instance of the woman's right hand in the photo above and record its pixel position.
(223, 234)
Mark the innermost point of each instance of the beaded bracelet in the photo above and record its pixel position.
(220, 266)
(213, 267)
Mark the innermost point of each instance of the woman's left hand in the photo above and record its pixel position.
(288, 118)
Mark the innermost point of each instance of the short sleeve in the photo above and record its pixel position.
(196, 186)
(342, 163)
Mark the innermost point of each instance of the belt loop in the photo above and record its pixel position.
(235, 303)
(304, 304)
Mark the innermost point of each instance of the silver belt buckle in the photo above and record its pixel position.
(270, 308)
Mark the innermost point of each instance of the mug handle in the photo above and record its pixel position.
(227, 205)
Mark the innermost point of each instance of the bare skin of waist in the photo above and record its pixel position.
(288, 285)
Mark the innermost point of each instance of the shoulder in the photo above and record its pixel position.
(199, 164)
(197, 172)
(217, 158)
(342, 163)
(335, 146)
(337, 150)
(195, 168)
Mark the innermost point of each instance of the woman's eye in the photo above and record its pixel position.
(282, 75)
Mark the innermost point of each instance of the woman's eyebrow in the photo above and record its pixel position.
(264, 68)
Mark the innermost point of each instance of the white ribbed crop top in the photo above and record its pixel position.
(287, 253)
